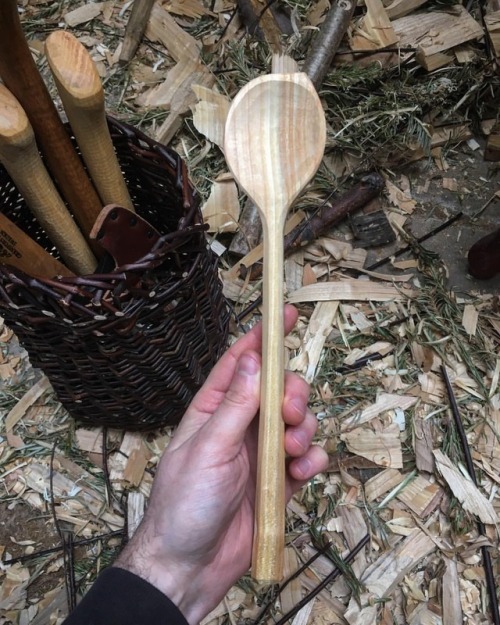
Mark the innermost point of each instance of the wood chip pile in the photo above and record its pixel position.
(376, 347)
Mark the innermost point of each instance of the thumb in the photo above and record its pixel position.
(229, 423)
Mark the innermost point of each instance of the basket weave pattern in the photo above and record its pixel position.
(129, 347)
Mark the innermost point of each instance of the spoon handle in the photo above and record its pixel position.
(269, 537)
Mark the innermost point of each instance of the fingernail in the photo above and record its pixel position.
(300, 439)
(304, 466)
(248, 365)
(300, 405)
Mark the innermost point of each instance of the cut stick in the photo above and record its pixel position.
(20, 157)
(136, 26)
(20, 251)
(21, 77)
(82, 95)
(327, 41)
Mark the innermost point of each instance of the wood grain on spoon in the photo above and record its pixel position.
(20, 157)
(81, 92)
(274, 141)
(21, 77)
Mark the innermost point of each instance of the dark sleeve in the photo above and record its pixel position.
(119, 597)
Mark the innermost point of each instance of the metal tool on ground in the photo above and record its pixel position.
(21, 251)
(21, 77)
(20, 157)
(274, 141)
(80, 88)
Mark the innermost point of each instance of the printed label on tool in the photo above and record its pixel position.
(8, 246)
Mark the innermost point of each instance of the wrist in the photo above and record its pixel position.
(180, 583)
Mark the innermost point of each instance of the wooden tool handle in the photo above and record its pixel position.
(20, 157)
(82, 94)
(21, 77)
(269, 537)
(19, 250)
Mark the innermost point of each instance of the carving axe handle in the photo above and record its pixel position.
(20, 157)
(81, 92)
(21, 77)
(20, 251)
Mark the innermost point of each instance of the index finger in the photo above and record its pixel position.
(217, 383)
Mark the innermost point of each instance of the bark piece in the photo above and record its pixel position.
(249, 233)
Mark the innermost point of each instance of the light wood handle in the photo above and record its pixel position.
(19, 250)
(20, 157)
(269, 536)
(21, 77)
(82, 95)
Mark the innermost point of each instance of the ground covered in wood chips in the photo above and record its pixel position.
(412, 96)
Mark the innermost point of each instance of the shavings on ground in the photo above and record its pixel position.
(371, 349)
(222, 209)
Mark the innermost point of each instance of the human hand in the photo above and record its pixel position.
(195, 540)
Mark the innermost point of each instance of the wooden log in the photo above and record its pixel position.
(327, 41)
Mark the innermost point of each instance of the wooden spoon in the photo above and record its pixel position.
(274, 141)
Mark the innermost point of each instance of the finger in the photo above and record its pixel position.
(229, 423)
(296, 397)
(212, 392)
(301, 470)
(298, 438)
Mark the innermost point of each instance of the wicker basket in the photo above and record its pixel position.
(122, 352)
